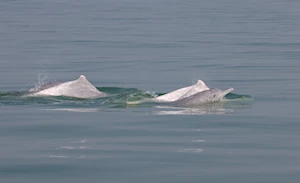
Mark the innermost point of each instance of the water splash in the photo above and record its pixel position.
(42, 79)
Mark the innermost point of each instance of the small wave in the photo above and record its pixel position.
(190, 150)
(81, 157)
(84, 110)
(71, 147)
(83, 141)
(67, 147)
(79, 142)
(198, 140)
(58, 156)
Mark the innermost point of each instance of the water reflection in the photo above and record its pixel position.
(200, 110)
(220, 108)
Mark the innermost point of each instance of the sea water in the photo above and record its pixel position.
(135, 49)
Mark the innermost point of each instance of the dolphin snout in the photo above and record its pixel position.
(225, 92)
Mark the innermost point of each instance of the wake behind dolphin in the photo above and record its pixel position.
(80, 88)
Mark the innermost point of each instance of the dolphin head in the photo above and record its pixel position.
(216, 94)
(208, 96)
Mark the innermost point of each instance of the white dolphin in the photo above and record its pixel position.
(193, 95)
(183, 92)
(80, 88)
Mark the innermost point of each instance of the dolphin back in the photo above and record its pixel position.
(194, 100)
(183, 92)
(80, 88)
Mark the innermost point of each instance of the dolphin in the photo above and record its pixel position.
(193, 95)
(182, 92)
(80, 88)
(208, 96)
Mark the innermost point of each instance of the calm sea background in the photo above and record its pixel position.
(152, 47)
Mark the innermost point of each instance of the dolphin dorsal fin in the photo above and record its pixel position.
(82, 77)
(200, 82)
